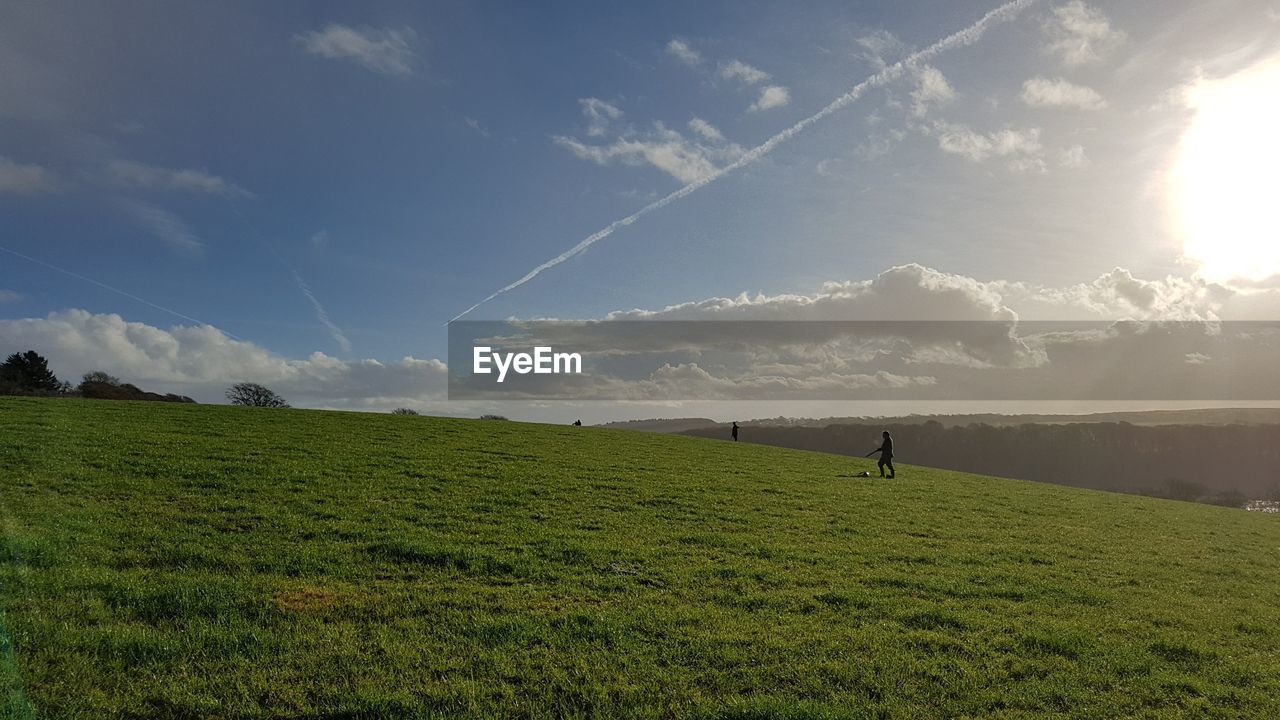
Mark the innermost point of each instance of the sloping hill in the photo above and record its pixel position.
(210, 561)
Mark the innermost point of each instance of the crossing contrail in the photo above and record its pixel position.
(117, 291)
(888, 74)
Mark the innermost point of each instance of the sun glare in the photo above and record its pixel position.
(1225, 188)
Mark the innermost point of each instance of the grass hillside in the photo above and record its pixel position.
(179, 561)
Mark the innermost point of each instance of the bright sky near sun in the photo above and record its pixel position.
(296, 191)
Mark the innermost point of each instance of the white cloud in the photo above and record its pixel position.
(685, 159)
(1119, 295)
(773, 96)
(599, 114)
(475, 125)
(907, 292)
(738, 70)
(878, 46)
(1057, 92)
(165, 226)
(681, 50)
(1073, 157)
(1079, 34)
(932, 90)
(8, 296)
(915, 292)
(124, 173)
(706, 130)
(18, 178)
(203, 361)
(388, 51)
(1022, 145)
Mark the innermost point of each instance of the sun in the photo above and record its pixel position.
(1225, 182)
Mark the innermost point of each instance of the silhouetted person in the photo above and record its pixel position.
(577, 423)
(734, 432)
(886, 455)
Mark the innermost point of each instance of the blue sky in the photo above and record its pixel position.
(345, 178)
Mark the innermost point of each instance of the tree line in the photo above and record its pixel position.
(28, 373)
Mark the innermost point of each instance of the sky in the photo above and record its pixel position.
(304, 194)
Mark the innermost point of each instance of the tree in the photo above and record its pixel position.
(254, 395)
(29, 371)
(98, 376)
(492, 417)
(404, 411)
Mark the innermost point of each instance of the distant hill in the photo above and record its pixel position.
(1205, 416)
(125, 391)
(1224, 464)
(661, 425)
(192, 561)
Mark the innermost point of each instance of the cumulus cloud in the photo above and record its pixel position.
(931, 91)
(742, 72)
(599, 114)
(1073, 157)
(27, 179)
(164, 226)
(706, 130)
(1022, 147)
(1119, 295)
(1057, 92)
(201, 361)
(770, 97)
(680, 50)
(685, 159)
(388, 51)
(1080, 34)
(907, 292)
(877, 47)
(914, 292)
(136, 175)
(773, 96)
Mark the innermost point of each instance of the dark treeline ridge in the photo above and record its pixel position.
(125, 391)
(28, 373)
(1226, 465)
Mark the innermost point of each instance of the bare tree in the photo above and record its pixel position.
(98, 376)
(254, 395)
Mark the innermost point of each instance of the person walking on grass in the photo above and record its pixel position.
(886, 455)
(734, 432)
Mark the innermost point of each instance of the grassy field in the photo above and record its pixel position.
(171, 561)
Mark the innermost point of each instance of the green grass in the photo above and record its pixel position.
(170, 561)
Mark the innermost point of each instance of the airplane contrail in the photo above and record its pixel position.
(334, 331)
(117, 291)
(888, 74)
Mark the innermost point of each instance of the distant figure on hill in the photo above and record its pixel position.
(734, 432)
(886, 455)
(577, 423)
